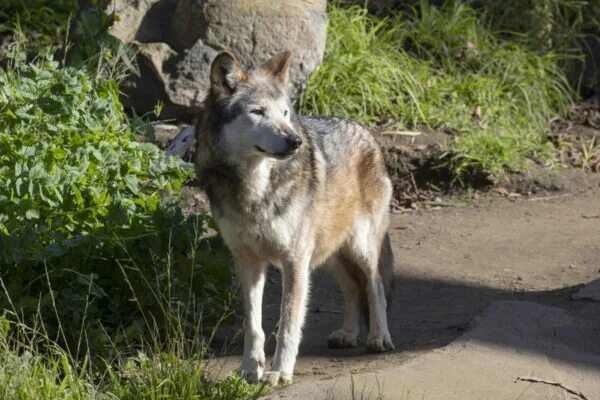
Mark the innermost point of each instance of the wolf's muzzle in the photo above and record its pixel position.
(289, 144)
(293, 142)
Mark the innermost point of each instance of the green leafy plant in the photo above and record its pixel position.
(89, 217)
(69, 167)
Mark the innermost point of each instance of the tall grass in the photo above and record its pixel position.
(442, 67)
(166, 356)
(30, 373)
(42, 21)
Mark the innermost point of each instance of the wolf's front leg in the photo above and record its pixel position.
(252, 280)
(293, 310)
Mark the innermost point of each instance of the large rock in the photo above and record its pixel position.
(255, 30)
(177, 40)
(179, 80)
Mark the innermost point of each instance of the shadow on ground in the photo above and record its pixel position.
(451, 265)
(427, 315)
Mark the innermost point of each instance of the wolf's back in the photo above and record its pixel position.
(339, 138)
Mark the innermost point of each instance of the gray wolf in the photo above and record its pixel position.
(294, 192)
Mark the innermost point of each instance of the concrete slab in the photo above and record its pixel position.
(591, 291)
(509, 340)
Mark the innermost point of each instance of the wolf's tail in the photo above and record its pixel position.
(386, 268)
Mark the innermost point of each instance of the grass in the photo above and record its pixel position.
(443, 68)
(166, 355)
(28, 373)
(563, 26)
(43, 22)
(162, 348)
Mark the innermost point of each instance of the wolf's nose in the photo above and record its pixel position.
(293, 141)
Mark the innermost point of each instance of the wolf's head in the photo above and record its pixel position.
(254, 108)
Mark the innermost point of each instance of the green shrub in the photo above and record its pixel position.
(69, 168)
(88, 220)
(443, 68)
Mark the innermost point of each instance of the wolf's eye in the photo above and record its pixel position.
(258, 111)
(285, 113)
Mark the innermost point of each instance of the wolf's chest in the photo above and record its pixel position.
(263, 231)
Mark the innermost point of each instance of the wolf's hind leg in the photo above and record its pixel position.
(364, 248)
(347, 335)
(252, 281)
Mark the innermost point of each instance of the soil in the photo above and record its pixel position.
(577, 137)
(453, 261)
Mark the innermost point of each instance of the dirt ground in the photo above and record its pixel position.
(452, 263)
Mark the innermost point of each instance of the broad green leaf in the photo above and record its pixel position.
(32, 214)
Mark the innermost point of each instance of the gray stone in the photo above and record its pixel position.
(164, 134)
(188, 75)
(256, 29)
(179, 80)
(177, 40)
(591, 291)
(142, 92)
(134, 20)
(183, 144)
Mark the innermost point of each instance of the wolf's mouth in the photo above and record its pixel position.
(281, 156)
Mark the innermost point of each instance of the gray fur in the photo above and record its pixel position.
(294, 211)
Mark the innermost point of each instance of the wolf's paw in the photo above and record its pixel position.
(251, 371)
(379, 344)
(341, 339)
(275, 378)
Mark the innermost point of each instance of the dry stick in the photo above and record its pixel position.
(414, 183)
(402, 133)
(548, 197)
(561, 385)
(590, 216)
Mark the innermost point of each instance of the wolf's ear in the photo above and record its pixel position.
(225, 74)
(278, 66)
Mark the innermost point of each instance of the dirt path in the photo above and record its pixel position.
(452, 263)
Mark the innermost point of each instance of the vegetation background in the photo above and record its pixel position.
(108, 290)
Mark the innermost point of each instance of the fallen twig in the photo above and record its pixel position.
(402, 133)
(443, 204)
(553, 383)
(548, 197)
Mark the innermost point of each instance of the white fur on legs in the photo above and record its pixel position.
(295, 281)
(347, 335)
(252, 280)
(364, 247)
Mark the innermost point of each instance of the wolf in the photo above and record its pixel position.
(296, 193)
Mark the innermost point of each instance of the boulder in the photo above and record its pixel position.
(254, 30)
(179, 80)
(177, 40)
